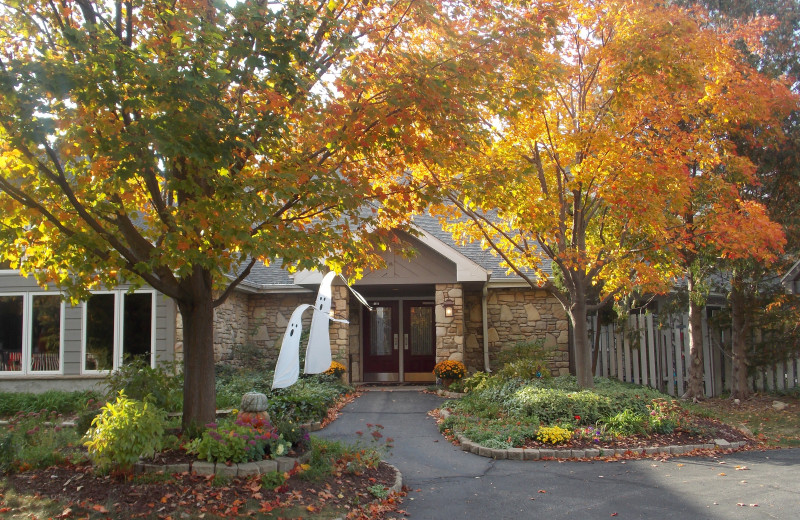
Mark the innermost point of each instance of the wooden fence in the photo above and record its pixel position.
(644, 353)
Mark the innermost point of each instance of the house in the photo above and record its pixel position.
(791, 280)
(446, 302)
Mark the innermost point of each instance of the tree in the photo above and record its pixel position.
(174, 143)
(591, 153)
(768, 191)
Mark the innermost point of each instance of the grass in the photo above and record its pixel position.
(774, 428)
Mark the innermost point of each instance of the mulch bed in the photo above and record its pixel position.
(156, 496)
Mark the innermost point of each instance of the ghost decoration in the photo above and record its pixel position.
(288, 368)
(318, 352)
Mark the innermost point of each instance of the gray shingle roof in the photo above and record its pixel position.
(274, 276)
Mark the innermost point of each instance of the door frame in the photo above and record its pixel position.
(401, 376)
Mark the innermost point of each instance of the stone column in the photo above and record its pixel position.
(340, 332)
(449, 330)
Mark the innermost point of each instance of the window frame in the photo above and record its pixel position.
(26, 355)
(119, 332)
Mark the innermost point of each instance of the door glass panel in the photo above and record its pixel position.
(11, 333)
(421, 326)
(46, 333)
(100, 332)
(137, 326)
(381, 331)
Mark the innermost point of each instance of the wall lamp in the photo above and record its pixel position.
(448, 308)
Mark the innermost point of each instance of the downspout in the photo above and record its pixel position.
(485, 316)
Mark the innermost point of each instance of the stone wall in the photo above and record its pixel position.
(449, 330)
(269, 315)
(516, 316)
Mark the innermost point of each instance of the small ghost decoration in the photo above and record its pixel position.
(288, 368)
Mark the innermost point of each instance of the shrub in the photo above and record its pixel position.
(525, 369)
(626, 422)
(449, 369)
(124, 431)
(138, 380)
(273, 479)
(664, 416)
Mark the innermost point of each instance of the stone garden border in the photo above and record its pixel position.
(565, 454)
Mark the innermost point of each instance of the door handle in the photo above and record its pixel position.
(395, 341)
(405, 341)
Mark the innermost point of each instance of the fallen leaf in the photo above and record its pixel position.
(742, 468)
(542, 491)
(680, 465)
(613, 514)
(722, 475)
(99, 508)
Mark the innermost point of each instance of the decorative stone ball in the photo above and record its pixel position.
(253, 402)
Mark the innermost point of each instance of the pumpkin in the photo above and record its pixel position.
(253, 402)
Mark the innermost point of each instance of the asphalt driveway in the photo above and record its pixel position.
(446, 482)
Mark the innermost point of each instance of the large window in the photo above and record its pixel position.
(30, 333)
(118, 327)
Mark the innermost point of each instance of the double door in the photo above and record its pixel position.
(399, 340)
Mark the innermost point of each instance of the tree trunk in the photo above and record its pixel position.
(694, 388)
(583, 348)
(740, 331)
(199, 387)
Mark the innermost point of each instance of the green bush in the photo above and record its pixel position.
(525, 369)
(51, 401)
(124, 431)
(138, 380)
(625, 423)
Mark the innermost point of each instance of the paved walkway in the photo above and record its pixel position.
(446, 482)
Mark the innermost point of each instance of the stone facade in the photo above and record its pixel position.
(449, 330)
(515, 316)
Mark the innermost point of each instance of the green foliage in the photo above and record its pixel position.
(35, 440)
(52, 400)
(138, 380)
(124, 431)
(625, 423)
(293, 433)
(525, 369)
(236, 441)
(477, 381)
(378, 491)
(328, 456)
(512, 410)
(273, 479)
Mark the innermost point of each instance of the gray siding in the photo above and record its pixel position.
(71, 376)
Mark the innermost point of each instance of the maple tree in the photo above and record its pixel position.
(590, 158)
(176, 143)
(776, 185)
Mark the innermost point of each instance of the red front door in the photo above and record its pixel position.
(382, 342)
(419, 340)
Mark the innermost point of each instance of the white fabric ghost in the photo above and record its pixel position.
(318, 353)
(288, 368)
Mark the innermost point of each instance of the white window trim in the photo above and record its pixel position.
(27, 336)
(119, 314)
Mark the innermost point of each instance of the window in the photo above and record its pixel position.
(118, 327)
(31, 333)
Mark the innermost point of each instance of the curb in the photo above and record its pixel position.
(244, 469)
(398, 480)
(585, 453)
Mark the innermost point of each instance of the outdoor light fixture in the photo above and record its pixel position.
(448, 308)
